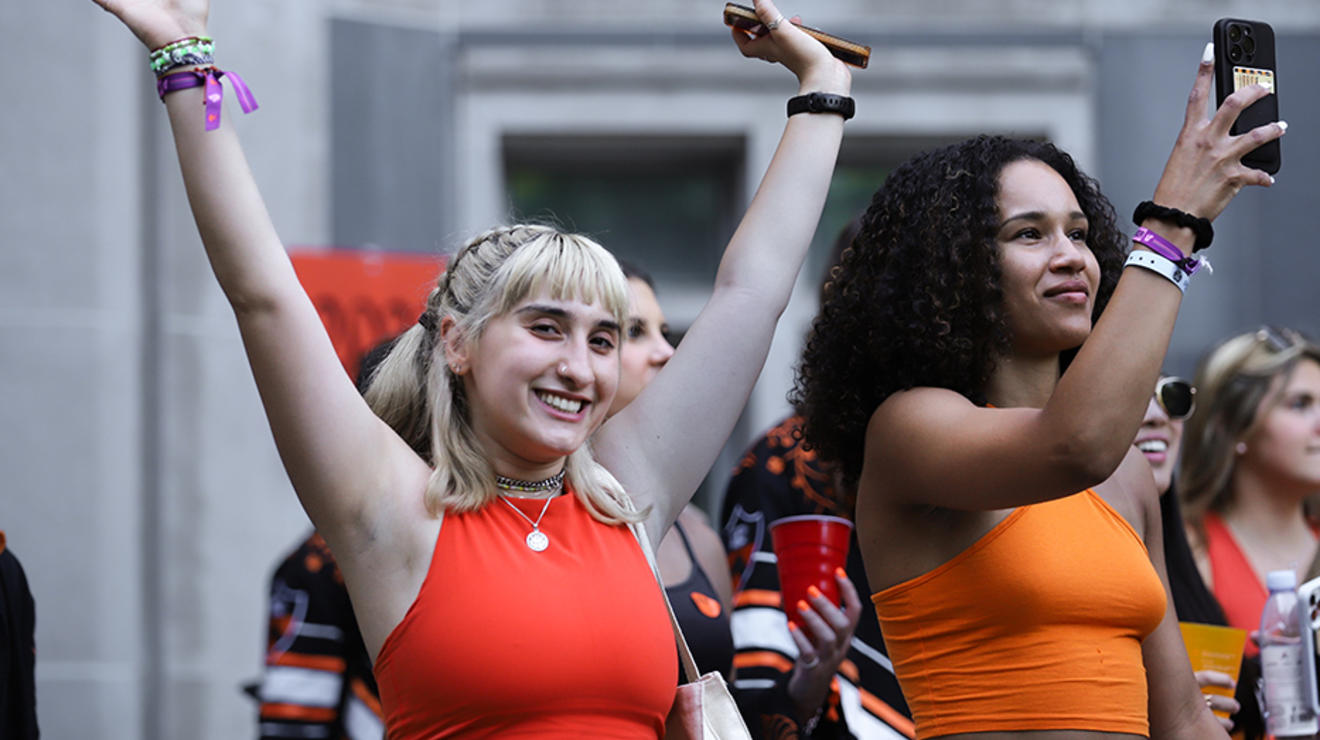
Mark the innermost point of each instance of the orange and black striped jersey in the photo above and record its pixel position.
(317, 681)
(775, 479)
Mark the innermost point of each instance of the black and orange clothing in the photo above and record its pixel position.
(1037, 625)
(502, 641)
(778, 478)
(18, 651)
(1194, 602)
(705, 624)
(317, 681)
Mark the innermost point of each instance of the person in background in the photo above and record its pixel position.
(18, 650)
(1159, 440)
(778, 477)
(1250, 463)
(695, 570)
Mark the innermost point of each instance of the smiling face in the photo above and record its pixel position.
(645, 347)
(539, 381)
(1284, 446)
(1159, 440)
(1049, 275)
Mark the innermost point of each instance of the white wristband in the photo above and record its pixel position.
(1162, 266)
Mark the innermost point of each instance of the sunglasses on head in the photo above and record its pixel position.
(1176, 396)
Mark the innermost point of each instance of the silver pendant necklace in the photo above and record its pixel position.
(536, 540)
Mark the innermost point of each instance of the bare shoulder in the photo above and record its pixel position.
(914, 411)
(1132, 493)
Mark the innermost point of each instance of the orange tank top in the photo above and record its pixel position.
(503, 641)
(1036, 626)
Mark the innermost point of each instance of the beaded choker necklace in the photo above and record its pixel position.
(552, 483)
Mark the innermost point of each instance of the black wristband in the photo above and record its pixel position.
(1205, 233)
(819, 102)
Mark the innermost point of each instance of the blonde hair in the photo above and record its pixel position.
(414, 391)
(1235, 385)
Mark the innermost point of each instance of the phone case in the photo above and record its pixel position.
(849, 52)
(1244, 55)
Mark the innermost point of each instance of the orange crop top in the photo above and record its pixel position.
(502, 641)
(1036, 626)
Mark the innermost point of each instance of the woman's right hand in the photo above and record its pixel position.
(158, 22)
(1205, 171)
(1219, 702)
(817, 70)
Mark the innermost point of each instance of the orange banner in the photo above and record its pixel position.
(364, 297)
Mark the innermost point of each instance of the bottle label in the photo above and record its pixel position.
(1287, 708)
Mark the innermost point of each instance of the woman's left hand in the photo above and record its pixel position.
(817, 70)
(819, 655)
(1219, 702)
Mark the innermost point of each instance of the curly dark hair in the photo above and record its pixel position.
(916, 300)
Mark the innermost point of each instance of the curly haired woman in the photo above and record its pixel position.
(983, 357)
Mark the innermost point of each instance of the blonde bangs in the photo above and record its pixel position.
(566, 267)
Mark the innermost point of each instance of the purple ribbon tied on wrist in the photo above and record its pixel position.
(213, 95)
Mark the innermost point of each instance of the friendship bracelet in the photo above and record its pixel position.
(182, 56)
(1169, 251)
(162, 55)
(1205, 233)
(1161, 266)
(208, 77)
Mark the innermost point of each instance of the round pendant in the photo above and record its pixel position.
(537, 541)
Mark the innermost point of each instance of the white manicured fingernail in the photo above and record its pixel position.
(1208, 55)
(1284, 125)
(1271, 179)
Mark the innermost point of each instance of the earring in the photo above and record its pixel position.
(456, 369)
(1240, 448)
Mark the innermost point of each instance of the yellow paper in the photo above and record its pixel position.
(1214, 648)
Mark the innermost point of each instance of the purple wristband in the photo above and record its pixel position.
(1166, 249)
(209, 77)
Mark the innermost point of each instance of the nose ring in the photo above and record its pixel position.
(563, 368)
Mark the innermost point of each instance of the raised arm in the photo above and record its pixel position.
(933, 447)
(332, 446)
(663, 443)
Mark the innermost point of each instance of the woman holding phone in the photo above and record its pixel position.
(481, 592)
(980, 369)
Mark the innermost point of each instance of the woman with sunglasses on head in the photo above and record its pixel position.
(1250, 464)
(490, 604)
(980, 369)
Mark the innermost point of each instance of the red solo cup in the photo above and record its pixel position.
(808, 549)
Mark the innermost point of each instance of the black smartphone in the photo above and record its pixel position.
(1244, 56)
(849, 52)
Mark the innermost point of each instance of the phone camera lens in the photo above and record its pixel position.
(1248, 46)
(1235, 33)
(1235, 53)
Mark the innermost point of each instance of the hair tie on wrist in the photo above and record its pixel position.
(1205, 233)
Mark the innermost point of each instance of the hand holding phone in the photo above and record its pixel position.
(1244, 56)
(849, 52)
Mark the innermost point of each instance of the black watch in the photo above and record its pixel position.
(819, 102)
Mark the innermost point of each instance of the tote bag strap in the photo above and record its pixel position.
(684, 652)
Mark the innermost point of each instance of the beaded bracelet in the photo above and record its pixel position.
(208, 77)
(1205, 233)
(175, 51)
(184, 55)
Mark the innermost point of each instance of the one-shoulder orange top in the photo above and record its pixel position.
(503, 641)
(1036, 626)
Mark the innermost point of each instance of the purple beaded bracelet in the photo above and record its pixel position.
(209, 77)
(1168, 250)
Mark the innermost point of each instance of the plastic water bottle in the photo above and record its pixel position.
(1287, 661)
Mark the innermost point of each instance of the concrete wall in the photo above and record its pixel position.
(142, 491)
